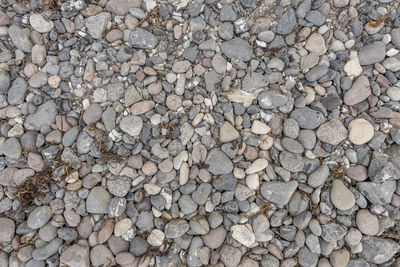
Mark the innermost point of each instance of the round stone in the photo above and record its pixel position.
(360, 131)
(367, 223)
(341, 197)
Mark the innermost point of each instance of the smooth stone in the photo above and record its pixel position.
(341, 197)
(131, 125)
(359, 91)
(243, 234)
(44, 116)
(39, 217)
(215, 237)
(76, 255)
(367, 223)
(316, 44)
(98, 200)
(237, 48)
(307, 118)
(257, 165)
(372, 53)
(228, 133)
(176, 228)
(360, 131)
(378, 250)
(332, 132)
(278, 192)
(218, 163)
(7, 229)
(286, 23)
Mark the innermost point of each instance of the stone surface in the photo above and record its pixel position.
(360, 131)
(341, 196)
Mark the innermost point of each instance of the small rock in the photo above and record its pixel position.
(316, 44)
(218, 163)
(39, 217)
(97, 25)
(341, 197)
(143, 39)
(332, 132)
(243, 234)
(278, 192)
(360, 131)
(359, 91)
(372, 53)
(7, 230)
(237, 48)
(98, 200)
(40, 24)
(131, 125)
(228, 133)
(367, 223)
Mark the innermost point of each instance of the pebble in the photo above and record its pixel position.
(372, 53)
(367, 223)
(237, 48)
(359, 91)
(228, 133)
(316, 44)
(39, 217)
(199, 133)
(7, 229)
(341, 196)
(132, 125)
(360, 131)
(98, 200)
(332, 132)
(278, 192)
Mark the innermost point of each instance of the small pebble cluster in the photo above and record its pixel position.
(200, 133)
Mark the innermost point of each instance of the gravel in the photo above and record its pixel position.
(200, 133)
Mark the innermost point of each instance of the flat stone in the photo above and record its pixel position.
(372, 53)
(341, 197)
(228, 133)
(143, 39)
(7, 229)
(286, 23)
(237, 48)
(367, 223)
(378, 250)
(243, 234)
(377, 194)
(92, 114)
(215, 237)
(359, 91)
(40, 24)
(20, 40)
(97, 25)
(361, 131)
(218, 163)
(132, 125)
(39, 217)
(176, 228)
(44, 116)
(76, 255)
(332, 232)
(257, 165)
(47, 250)
(278, 192)
(316, 44)
(307, 118)
(230, 256)
(270, 99)
(318, 177)
(122, 7)
(332, 132)
(291, 161)
(98, 200)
